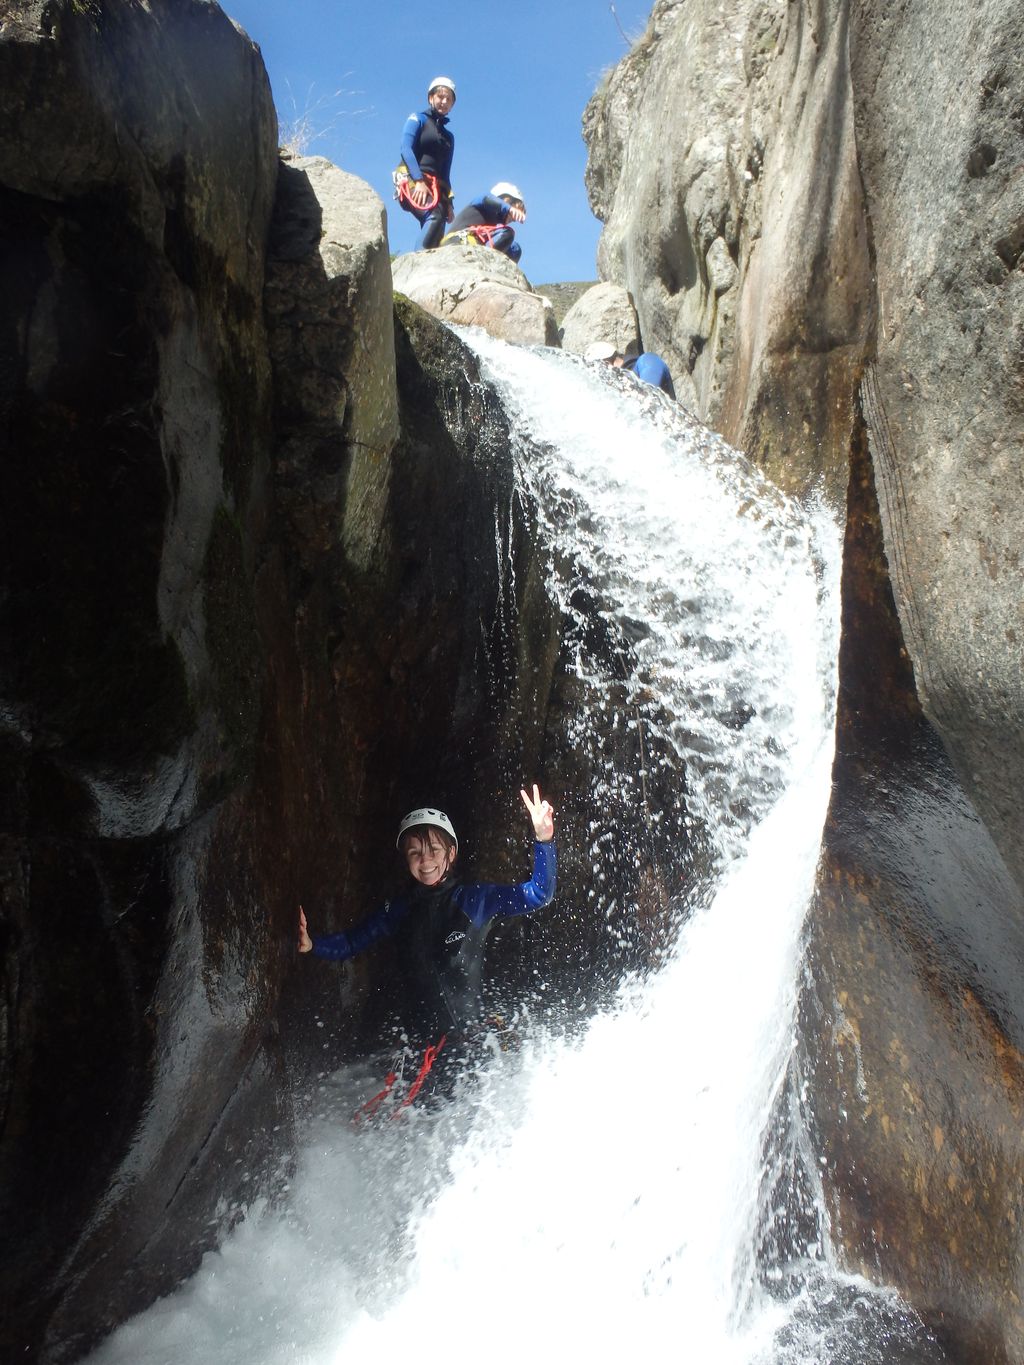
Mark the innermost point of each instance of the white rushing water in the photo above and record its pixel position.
(600, 1195)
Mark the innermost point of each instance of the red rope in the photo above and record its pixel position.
(432, 185)
(483, 232)
(369, 1109)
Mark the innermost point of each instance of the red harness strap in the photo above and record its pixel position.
(404, 195)
(369, 1109)
(429, 1058)
(483, 232)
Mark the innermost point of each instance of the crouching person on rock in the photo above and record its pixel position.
(440, 923)
(486, 221)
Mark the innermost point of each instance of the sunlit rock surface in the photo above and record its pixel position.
(328, 301)
(479, 287)
(603, 313)
(824, 231)
(721, 163)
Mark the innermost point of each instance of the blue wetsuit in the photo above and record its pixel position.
(492, 212)
(652, 370)
(441, 934)
(428, 146)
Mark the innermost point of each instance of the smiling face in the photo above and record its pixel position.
(428, 856)
(441, 99)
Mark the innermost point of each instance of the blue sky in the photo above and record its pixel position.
(524, 73)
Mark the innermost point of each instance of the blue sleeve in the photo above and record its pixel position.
(653, 370)
(483, 902)
(410, 141)
(494, 210)
(381, 924)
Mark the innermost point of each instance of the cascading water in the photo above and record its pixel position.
(609, 1194)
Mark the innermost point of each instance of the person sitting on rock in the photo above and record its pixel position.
(645, 364)
(441, 924)
(485, 221)
(423, 178)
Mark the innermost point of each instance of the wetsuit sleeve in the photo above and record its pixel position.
(653, 370)
(381, 924)
(484, 902)
(410, 139)
(494, 210)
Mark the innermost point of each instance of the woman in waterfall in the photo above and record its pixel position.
(441, 924)
(423, 179)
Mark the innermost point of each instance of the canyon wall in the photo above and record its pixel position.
(818, 207)
(256, 539)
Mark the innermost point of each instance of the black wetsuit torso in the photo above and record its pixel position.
(439, 934)
(442, 962)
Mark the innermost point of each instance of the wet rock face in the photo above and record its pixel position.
(914, 1026)
(406, 681)
(820, 138)
(133, 404)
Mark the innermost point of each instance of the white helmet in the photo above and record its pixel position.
(504, 187)
(600, 350)
(439, 81)
(425, 815)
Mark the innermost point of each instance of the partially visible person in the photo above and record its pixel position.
(485, 220)
(423, 180)
(646, 365)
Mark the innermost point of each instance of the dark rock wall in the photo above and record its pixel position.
(828, 251)
(137, 165)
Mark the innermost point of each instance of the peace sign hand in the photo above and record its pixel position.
(541, 814)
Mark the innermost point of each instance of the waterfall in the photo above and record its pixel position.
(606, 1194)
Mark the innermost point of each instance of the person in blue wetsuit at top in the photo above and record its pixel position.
(423, 180)
(486, 220)
(441, 924)
(646, 366)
